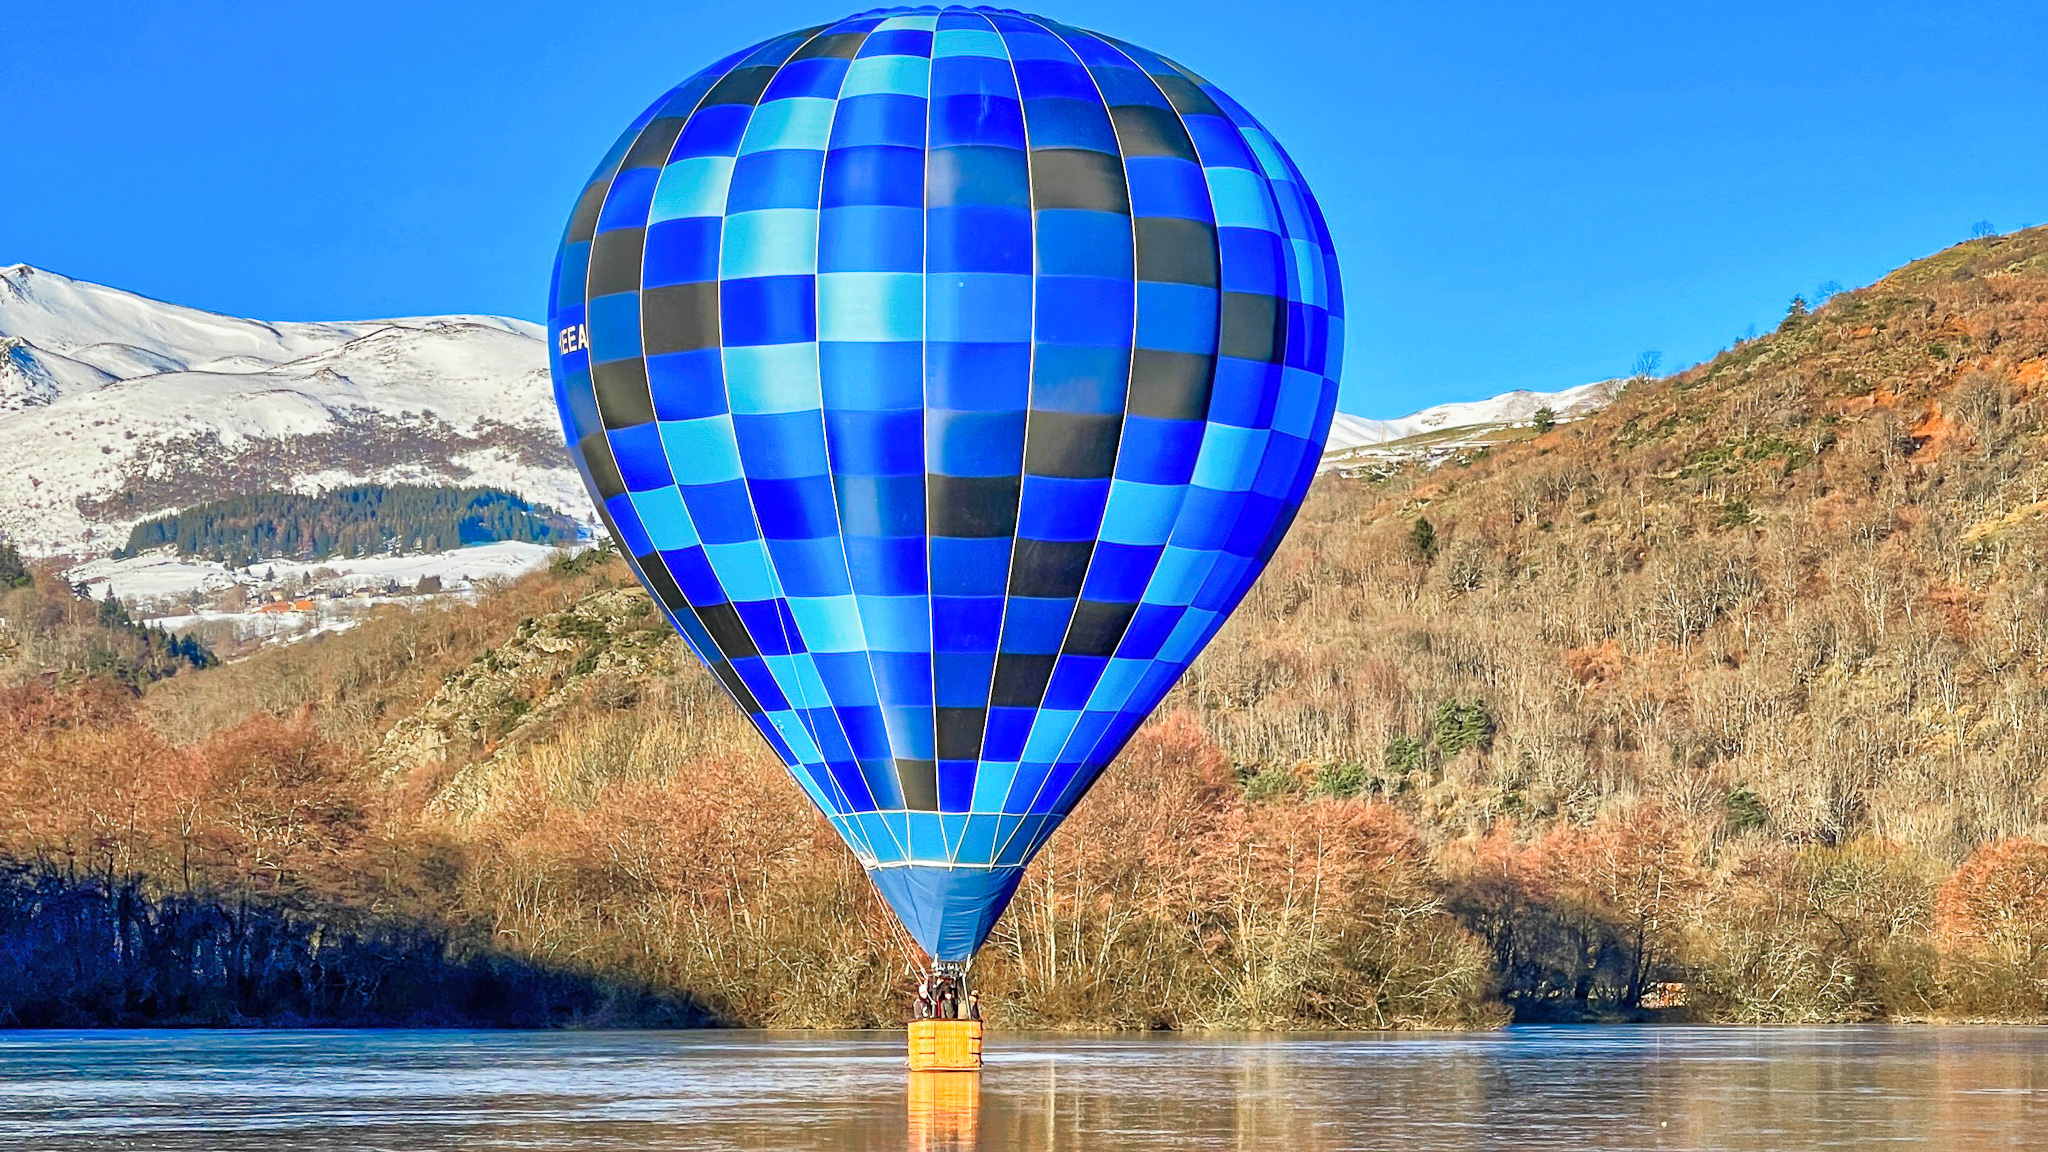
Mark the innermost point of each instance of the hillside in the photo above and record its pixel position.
(115, 408)
(1722, 702)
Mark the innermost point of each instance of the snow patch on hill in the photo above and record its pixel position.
(1349, 432)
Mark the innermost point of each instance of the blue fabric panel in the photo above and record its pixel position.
(948, 911)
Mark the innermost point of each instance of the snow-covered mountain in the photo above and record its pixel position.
(1349, 432)
(115, 408)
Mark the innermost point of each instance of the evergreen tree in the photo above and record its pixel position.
(1423, 536)
(13, 570)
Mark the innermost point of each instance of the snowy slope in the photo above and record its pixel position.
(1519, 407)
(115, 408)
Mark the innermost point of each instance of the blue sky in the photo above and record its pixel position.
(1522, 195)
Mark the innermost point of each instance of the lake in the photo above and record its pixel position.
(1585, 1089)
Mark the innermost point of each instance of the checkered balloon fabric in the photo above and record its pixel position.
(948, 375)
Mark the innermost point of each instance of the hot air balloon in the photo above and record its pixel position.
(948, 375)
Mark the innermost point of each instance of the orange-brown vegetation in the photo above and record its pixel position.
(1738, 688)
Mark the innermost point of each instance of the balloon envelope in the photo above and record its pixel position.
(948, 376)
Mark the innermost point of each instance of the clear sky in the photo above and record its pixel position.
(1523, 195)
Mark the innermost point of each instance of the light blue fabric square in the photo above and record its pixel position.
(898, 75)
(1049, 733)
(761, 378)
(1230, 457)
(770, 242)
(1262, 146)
(701, 451)
(870, 307)
(804, 687)
(911, 23)
(1119, 680)
(968, 42)
(666, 519)
(796, 122)
(791, 728)
(897, 623)
(692, 187)
(1309, 260)
(828, 624)
(992, 783)
(1179, 575)
(743, 569)
(1140, 513)
(1241, 200)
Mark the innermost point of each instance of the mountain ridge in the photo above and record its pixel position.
(115, 407)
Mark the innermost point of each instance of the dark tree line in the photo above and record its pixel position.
(363, 520)
(95, 952)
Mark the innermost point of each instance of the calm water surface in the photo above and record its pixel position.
(1584, 1089)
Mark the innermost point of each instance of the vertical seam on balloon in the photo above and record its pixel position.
(924, 423)
(859, 834)
(1130, 360)
(768, 558)
(597, 402)
(988, 688)
(1216, 243)
(1030, 362)
(832, 477)
(803, 692)
(1030, 386)
(1281, 231)
(725, 385)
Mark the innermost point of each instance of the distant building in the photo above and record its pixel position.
(287, 606)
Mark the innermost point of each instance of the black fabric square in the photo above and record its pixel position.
(1186, 98)
(835, 45)
(920, 782)
(1049, 568)
(622, 397)
(652, 147)
(738, 687)
(1078, 178)
(1142, 130)
(1097, 627)
(1254, 327)
(1020, 680)
(1170, 385)
(741, 86)
(604, 469)
(728, 631)
(615, 262)
(679, 318)
(958, 732)
(664, 586)
(1176, 251)
(974, 507)
(1073, 445)
(589, 206)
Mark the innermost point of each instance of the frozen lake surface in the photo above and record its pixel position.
(1584, 1089)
